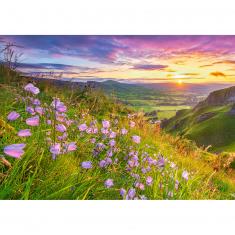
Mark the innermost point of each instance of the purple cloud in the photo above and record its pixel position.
(149, 67)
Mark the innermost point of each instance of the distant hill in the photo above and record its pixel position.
(211, 122)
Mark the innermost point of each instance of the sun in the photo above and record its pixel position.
(179, 82)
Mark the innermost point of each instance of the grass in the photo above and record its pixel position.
(37, 176)
(217, 131)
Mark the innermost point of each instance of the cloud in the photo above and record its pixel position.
(52, 66)
(149, 67)
(191, 74)
(218, 74)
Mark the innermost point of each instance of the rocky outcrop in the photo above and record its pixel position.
(219, 97)
(205, 116)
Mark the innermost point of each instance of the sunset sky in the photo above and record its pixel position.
(178, 59)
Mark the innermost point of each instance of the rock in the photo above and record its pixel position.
(151, 114)
(205, 116)
(232, 111)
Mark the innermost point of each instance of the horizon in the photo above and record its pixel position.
(129, 59)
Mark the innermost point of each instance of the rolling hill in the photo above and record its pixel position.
(211, 122)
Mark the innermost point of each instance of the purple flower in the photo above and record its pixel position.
(124, 131)
(48, 122)
(139, 185)
(185, 175)
(61, 128)
(112, 134)
(31, 88)
(82, 127)
(131, 193)
(39, 110)
(170, 194)
(110, 153)
(122, 192)
(86, 165)
(36, 102)
(108, 183)
(12, 116)
(105, 124)
(102, 163)
(136, 139)
(30, 110)
(161, 162)
(112, 143)
(14, 150)
(93, 140)
(172, 165)
(33, 121)
(58, 106)
(104, 131)
(71, 147)
(176, 185)
(149, 181)
(24, 133)
(55, 149)
(132, 124)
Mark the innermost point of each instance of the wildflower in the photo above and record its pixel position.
(89, 130)
(24, 133)
(131, 193)
(112, 143)
(71, 147)
(105, 124)
(55, 149)
(30, 110)
(172, 165)
(109, 161)
(33, 121)
(136, 139)
(141, 186)
(112, 134)
(108, 183)
(69, 122)
(132, 124)
(58, 105)
(86, 165)
(39, 110)
(61, 128)
(149, 180)
(176, 185)
(144, 171)
(36, 102)
(104, 131)
(170, 194)
(63, 137)
(48, 122)
(14, 150)
(12, 116)
(110, 153)
(185, 175)
(102, 163)
(124, 131)
(122, 192)
(82, 127)
(93, 140)
(161, 162)
(143, 197)
(31, 88)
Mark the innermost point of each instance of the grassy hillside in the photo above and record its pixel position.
(207, 125)
(90, 147)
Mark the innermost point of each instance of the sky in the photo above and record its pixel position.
(131, 59)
